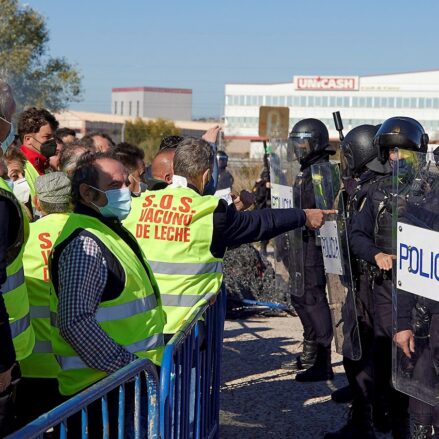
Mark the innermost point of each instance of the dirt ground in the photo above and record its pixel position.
(259, 396)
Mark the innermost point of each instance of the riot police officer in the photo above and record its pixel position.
(309, 140)
(361, 168)
(371, 241)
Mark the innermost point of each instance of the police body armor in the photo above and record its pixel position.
(362, 272)
(286, 192)
(336, 257)
(382, 201)
(415, 369)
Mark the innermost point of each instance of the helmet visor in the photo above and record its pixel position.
(301, 144)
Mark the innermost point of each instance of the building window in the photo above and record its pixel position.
(413, 103)
(369, 102)
(129, 108)
(275, 101)
(137, 108)
(121, 108)
(303, 101)
(406, 103)
(115, 107)
(355, 102)
(398, 102)
(311, 101)
(324, 101)
(391, 102)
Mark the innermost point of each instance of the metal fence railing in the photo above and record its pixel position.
(133, 403)
(190, 376)
(137, 408)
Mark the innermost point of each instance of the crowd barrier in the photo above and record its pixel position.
(182, 404)
(139, 370)
(190, 376)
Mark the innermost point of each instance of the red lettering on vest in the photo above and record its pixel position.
(185, 204)
(170, 233)
(148, 200)
(45, 254)
(166, 201)
(45, 241)
(46, 273)
(142, 230)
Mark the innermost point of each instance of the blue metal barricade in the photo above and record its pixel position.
(146, 407)
(190, 376)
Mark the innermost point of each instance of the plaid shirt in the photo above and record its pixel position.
(82, 275)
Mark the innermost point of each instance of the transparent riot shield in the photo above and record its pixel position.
(415, 365)
(285, 193)
(335, 248)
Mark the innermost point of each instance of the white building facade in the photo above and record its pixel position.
(152, 102)
(360, 100)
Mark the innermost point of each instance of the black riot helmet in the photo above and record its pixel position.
(309, 140)
(400, 132)
(358, 152)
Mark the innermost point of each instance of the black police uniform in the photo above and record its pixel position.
(312, 308)
(371, 233)
(421, 315)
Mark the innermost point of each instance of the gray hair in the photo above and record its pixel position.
(70, 155)
(192, 158)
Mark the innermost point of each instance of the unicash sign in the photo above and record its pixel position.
(418, 261)
(328, 83)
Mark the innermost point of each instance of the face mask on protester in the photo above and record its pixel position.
(21, 190)
(10, 183)
(118, 203)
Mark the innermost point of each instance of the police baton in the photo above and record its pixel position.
(338, 124)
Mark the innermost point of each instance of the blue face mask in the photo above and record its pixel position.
(118, 203)
(10, 183)
(9, 138)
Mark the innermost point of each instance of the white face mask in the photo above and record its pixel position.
(22, 190)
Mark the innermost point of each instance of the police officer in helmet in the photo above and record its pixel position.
(371, 241)
(360, 168)
(309, 140)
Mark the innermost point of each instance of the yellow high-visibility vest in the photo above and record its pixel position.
(174, 228)
(134, 320)
(14, 289)
(43, 234)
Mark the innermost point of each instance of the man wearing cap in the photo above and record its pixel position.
(37, 392)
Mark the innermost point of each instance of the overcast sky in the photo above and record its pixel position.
(204, 44)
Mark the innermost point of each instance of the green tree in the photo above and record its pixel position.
(148, 135)
(37, 79)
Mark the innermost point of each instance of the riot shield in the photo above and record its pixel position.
(335, 249)
(415, 362)
(288, 247)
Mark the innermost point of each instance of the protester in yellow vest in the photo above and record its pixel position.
(105, 303)
(37, 391)
(35, 127)
(184, 234)
(16, 334)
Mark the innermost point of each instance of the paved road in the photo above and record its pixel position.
(259, 397)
